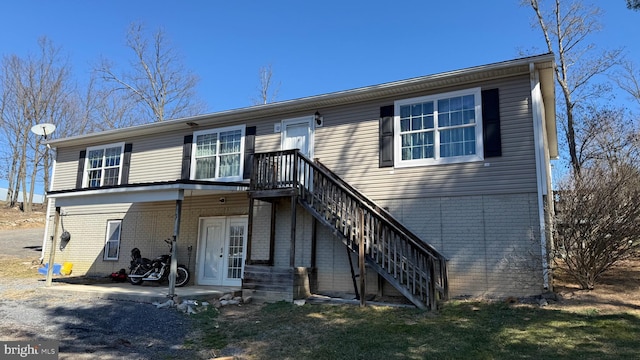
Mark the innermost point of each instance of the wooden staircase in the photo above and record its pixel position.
(413, 267)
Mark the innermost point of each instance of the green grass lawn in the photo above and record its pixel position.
(460, 330)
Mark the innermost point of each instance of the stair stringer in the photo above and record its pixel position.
(370, 261)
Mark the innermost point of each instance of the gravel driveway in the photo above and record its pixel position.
(87, 328)
(25, 243)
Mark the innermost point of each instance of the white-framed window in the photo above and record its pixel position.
(217, 154)
(438, 129)
(112, 242)
(103, 165)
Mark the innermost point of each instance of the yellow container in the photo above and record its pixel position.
(66, 268)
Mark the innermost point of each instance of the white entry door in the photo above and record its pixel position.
(222, 245)
(298, 134)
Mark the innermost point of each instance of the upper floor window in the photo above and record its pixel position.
(218, 154)
(103, 165)
(439, 129)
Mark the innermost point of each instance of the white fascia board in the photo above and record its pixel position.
(118, 197)
(134, 194)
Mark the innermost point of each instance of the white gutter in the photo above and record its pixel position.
(537, 105)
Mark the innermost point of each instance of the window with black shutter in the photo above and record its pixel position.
(452, 127)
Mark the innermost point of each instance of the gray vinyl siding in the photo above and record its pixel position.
(154, 158)
(66, 168)
(348, 144)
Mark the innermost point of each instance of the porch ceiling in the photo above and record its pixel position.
(150, 192)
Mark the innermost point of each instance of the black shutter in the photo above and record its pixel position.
(80, 175)
(386, 136)
(186, 158)
(249, 150)
(126, 163)
(491, 123)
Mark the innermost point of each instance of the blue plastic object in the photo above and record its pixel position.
(56, 269)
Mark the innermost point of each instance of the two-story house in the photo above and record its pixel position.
(429, 187)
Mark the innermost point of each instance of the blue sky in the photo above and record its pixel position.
(314, 47)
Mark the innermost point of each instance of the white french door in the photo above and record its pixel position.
(222, 245)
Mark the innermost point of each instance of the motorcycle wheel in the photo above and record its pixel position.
(138, 280)
(182, 276)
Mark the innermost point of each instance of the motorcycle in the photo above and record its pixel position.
(143, 269)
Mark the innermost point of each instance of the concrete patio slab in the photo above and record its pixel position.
(140, 293)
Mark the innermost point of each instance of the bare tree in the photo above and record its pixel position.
(98, 109)
(157, 80)
(597, 221)
(566, 28)
(608, 136)
(268, 91)
(10, 118)
(597, 212)
(34, 90)
(628, 79)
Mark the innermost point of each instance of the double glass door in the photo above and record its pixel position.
(222, 245)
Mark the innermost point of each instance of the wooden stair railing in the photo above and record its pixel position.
(413, 267)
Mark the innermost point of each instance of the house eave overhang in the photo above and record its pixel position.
(547, 80)
(370, 93)
(147, 192)
(549, 97)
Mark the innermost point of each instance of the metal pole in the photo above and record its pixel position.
(292, 254)
(361, 259)
(46, 230)
(54, 244)
(174, 255)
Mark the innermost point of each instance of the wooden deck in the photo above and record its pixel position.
(412, 266)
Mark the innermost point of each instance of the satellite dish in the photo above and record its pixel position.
(43, 129)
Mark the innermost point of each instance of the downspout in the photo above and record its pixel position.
(541, 171)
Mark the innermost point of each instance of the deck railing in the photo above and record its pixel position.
(414, 267)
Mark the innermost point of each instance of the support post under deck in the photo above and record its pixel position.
(292, 256)
(250, 230)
